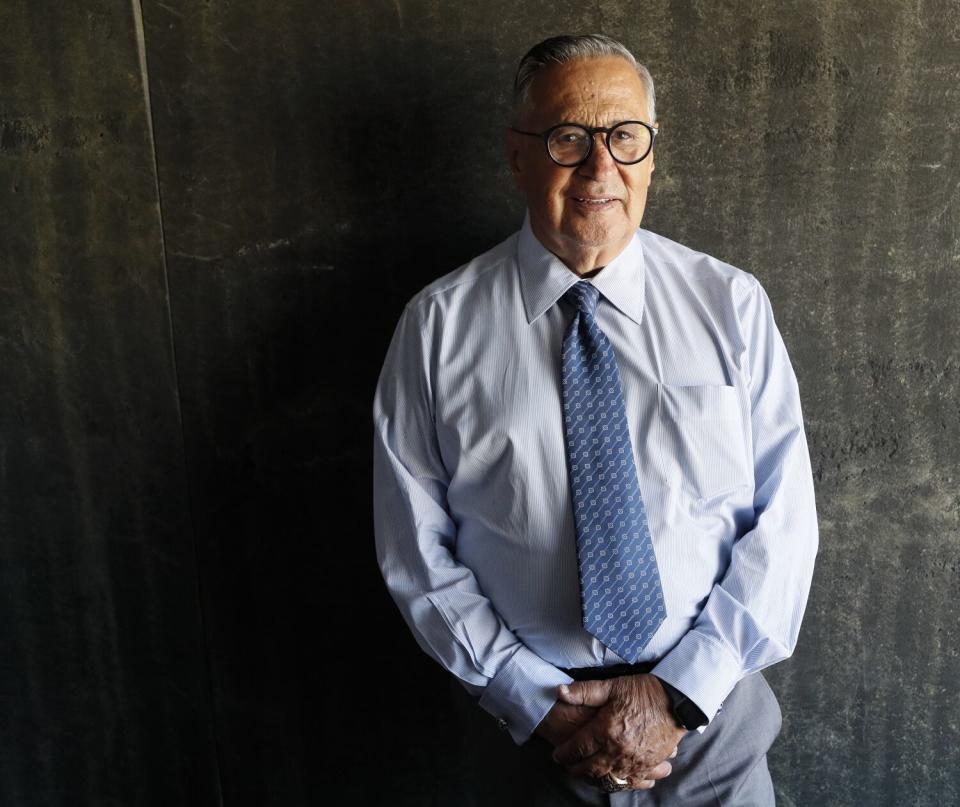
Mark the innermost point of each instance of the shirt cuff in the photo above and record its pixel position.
(702, 670)
(522, 692)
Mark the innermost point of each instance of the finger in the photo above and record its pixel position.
(646, 779)
(585, 693)
(676, 749)
(661, 771)
(595, 767)
(574, 713)
(580, 745)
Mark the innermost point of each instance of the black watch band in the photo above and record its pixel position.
(686, 712)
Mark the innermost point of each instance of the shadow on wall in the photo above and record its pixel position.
(421, 162)
(397, 160)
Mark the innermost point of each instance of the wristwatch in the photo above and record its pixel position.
(686, 712)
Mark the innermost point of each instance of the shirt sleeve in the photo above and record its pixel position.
(416, 536)
(752, 616)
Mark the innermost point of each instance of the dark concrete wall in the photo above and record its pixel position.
(202, 206)
(104, 695)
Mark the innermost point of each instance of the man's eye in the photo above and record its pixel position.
(623, 136)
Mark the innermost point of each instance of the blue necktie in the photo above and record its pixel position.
(619, 580)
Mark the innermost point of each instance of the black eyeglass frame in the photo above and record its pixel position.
(593, 131)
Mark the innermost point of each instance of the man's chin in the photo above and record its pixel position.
(597, 238)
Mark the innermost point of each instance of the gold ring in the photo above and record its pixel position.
(612, 784)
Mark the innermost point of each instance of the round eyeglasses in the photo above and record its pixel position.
(571, 144)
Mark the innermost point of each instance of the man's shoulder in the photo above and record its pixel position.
(664, 254)
(477, 275)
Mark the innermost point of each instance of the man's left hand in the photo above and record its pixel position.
(633, 731)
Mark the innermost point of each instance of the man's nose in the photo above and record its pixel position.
(600, 160)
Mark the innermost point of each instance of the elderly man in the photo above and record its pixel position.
(593, 497)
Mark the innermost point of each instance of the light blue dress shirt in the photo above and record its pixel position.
(472, 507)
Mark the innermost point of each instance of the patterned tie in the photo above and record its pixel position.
(619, 580)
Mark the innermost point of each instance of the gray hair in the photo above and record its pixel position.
(562, 49)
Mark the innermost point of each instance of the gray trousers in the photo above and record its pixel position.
(726, 766)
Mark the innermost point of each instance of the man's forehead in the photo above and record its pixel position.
(596, 86)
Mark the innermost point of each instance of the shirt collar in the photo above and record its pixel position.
(544, 278)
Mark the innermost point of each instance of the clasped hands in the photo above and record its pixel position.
(621, 726)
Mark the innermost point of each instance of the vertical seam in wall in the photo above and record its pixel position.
(145, 82)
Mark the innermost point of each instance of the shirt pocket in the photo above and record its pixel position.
(703, 439)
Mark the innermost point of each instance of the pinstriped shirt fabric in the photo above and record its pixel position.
(473, 516)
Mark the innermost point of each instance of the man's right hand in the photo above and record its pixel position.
(634, 732)
(564, 720)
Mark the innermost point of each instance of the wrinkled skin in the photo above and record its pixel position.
(621, 726)
(592, 92)
(563, 721)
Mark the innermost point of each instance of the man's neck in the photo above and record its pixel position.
(585, 261)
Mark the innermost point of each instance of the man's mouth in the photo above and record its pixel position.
(595, 201)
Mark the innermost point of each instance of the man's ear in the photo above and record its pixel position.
(652, 149)
(515, 157)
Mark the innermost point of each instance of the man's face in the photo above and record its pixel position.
(568, 213)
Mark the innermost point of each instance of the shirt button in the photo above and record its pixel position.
(501, 724)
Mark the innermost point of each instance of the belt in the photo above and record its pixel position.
(601, 673)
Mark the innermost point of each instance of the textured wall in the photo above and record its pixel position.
(103, 689)
(181, 601)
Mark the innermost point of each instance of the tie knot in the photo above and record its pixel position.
(584, 295)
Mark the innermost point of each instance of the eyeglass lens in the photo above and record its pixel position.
(629, 142)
